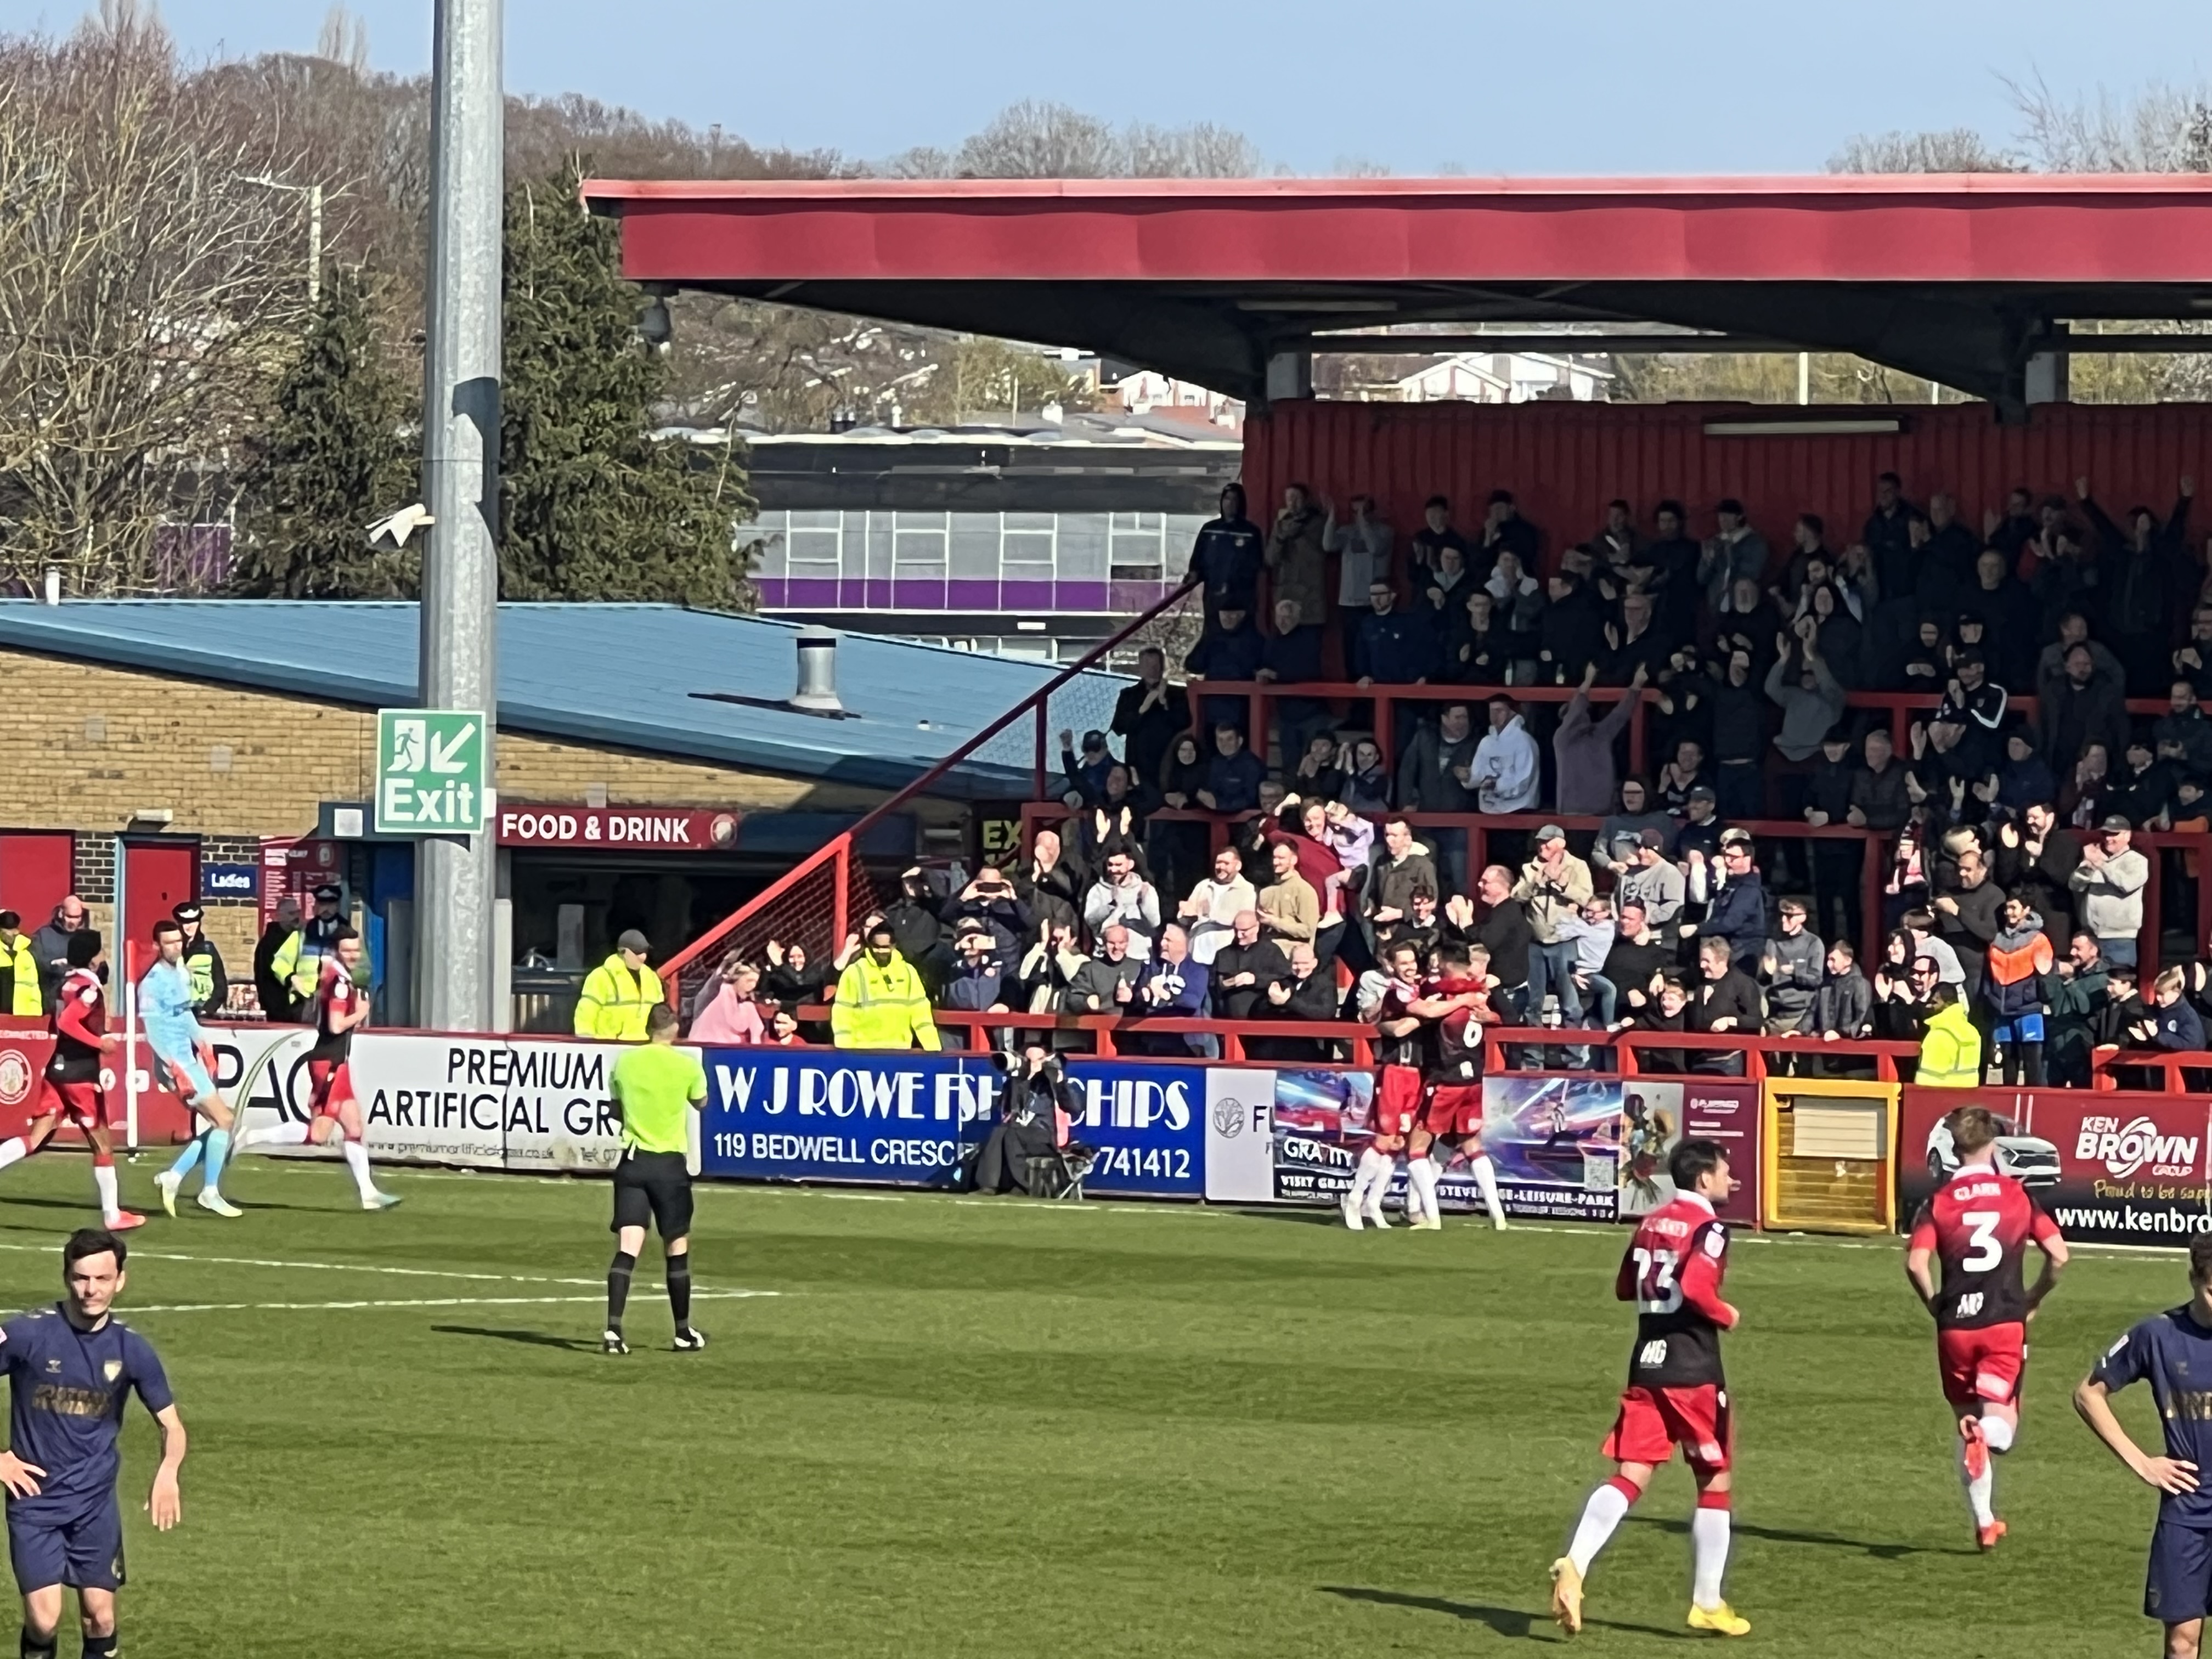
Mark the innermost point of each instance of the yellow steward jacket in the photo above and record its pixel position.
(23, 1000)
(1950, 1051)
(614, 1002)
(884, 1007)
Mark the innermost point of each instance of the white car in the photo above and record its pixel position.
(2029, 1159)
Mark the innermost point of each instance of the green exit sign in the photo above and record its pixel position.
(430, 772)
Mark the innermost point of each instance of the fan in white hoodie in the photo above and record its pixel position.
(1507, 770)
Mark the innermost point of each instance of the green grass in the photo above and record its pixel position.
(975, 1429)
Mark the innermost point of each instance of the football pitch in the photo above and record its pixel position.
(973, 1427)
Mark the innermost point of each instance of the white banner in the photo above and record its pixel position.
(491, 1102)
(481, 1102)
(1240, 1135)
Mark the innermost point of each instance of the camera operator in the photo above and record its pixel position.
(1032, 1100)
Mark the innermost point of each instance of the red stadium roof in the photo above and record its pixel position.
(1961, 277)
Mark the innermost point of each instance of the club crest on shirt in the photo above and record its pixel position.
(111, 1369)
(53, 1364)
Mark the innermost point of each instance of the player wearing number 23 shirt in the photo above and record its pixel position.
(1978, 1227)
(1677, 1394)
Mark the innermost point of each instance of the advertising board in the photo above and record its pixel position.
(907, 1118)
(1565, 1147)
(2109, 1168)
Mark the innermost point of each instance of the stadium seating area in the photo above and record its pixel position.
(1647, 780)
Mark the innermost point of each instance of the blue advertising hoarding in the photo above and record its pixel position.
(907, 1118)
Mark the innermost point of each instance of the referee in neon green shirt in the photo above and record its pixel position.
(656, 1088)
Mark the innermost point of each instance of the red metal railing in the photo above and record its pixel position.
(1754, 1049)
(1262, 695)
(1106, 1031)
(2164, 1064)
(1102, 1030)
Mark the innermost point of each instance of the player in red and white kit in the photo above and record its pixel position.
(69, 1086)
(340, 1006)
(1397, 1090)
(1676, 1394)
(1454, 1007)
(1979, 1224)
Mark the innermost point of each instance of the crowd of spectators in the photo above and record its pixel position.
(2012, 893)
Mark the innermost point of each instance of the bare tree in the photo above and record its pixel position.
(147, 295)
(1959, 149)
(1201, 150)
(1035, 139)
(344, 40)
(2162, 129)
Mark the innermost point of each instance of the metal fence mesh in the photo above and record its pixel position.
(1085, 703)
(803, 916)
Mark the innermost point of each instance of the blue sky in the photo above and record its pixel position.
(1603, 85)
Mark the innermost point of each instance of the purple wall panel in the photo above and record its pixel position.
(970, 595)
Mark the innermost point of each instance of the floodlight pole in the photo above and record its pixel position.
(455, 877)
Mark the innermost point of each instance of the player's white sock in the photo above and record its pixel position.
(111, 1206)
(1421, 1177)
(1979, 1492)
(13, 1148)
(356, 1157)
(1997, 1433)
(1373, 1179)
(277, 1135)
(1411, 1199)
(1709, 1542)
(1606, 1509)
(1485, 1178)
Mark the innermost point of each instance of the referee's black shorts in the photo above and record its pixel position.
(652, 1187)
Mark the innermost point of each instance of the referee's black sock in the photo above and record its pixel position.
(97, 1647)
(618, 1287)
(38, 1647)
(679, 1290)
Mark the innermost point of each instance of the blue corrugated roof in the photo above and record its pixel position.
(624, 675)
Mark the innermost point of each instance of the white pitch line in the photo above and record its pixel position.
(328, 1267)
(419, 1302)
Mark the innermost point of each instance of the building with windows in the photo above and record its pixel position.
(1036, 544)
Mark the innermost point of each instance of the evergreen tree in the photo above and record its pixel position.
(339, 451)
(592, 506)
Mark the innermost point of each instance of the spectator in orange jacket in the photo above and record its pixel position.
(2012, 989)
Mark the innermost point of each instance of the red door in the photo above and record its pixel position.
(157, 876)
(37, 870)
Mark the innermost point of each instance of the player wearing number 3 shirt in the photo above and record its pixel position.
(1979, 1226)
(1676, 1394)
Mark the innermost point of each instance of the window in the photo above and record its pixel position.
(975, 547)
(811, 544)
(1134, 546)
(769, 534)
(1083, 539)
(918, 544)
(1027, 541)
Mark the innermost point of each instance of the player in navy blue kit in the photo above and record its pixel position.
(2172, 1351)
(70, 1369)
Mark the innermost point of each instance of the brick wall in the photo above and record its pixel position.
(83, 747)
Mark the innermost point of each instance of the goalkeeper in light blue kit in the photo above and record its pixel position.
(165, 1009)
